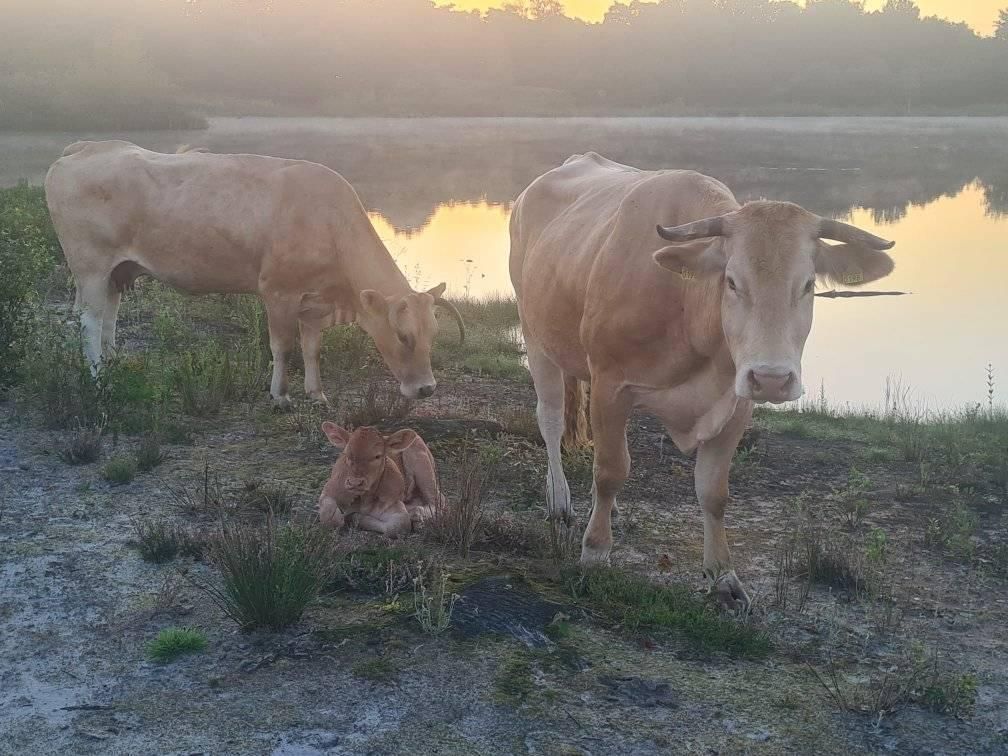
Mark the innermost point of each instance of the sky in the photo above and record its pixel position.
(980, 14)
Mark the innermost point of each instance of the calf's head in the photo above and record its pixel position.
(768, 256)
(362, 462)
(403, 329)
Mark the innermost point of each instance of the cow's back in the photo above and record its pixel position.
(582, 240)
(199, 221)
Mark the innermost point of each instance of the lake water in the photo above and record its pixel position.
(439, 193)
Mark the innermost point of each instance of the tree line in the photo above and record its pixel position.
(120, 64)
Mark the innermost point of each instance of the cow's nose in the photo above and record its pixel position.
(424, 391)
(771, 387)
(353, 483)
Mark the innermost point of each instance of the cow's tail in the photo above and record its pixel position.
(577, 425)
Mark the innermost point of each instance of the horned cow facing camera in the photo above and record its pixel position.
(381, 483)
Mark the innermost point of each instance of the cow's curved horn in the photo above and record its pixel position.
(701, 229)
(844, 232)
(439, 302)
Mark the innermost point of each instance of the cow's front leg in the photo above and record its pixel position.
(393, 524)
(610, 408)
(713, 463)
(330, 514)
(311, 348)
(281, 314)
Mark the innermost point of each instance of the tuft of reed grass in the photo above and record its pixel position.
(82, 445)
(149, 454)
(119, 471)
(173, 642)
(276, 498)
(379, 400)
(457, 522)
(160, 540)
(269, 575)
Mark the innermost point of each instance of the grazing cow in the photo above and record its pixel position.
(291, 231)
(697, 344)
(382, 483)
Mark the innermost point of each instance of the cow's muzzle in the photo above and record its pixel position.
(765, 383)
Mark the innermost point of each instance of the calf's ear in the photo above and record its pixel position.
(693, 259)
(337, 436)
(851, 264)
(400, 440)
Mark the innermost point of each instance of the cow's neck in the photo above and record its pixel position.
(370, 266)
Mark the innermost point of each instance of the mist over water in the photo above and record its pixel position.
(439, 194)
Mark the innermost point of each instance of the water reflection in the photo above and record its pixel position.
(465, 244)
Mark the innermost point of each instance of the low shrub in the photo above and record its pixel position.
(173, 642)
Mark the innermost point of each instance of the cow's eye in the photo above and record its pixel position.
(810, 287)
(406, 341)
(731, 283)
(378, 456)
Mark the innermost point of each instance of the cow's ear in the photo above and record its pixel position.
(400, 440)
(374, 303)
(851, 264)
(438, 290)
(337, 436)
(693, 259)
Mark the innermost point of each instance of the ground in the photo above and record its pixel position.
(358, 676)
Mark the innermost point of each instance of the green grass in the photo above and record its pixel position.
(119, 471)
(268, 575)
(160, 540)
(639, 605)
(173, 642)
(967, 447)
(513, 682)
(149, 454)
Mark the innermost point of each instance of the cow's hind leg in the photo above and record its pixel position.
(311, 349)
(111, 316)
(610, 408)
(91, 300)
(549, 386)
(282, 316)
(713, 463)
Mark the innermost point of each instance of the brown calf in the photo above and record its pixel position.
(385, 484)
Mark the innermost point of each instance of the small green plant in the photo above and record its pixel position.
(876, 548)
(513, 683)
(951, 693)
(149, 454)
(433, 607)
(952, 532)
(173, 642)
(269, 575)
(82, 445)
(119, 471)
